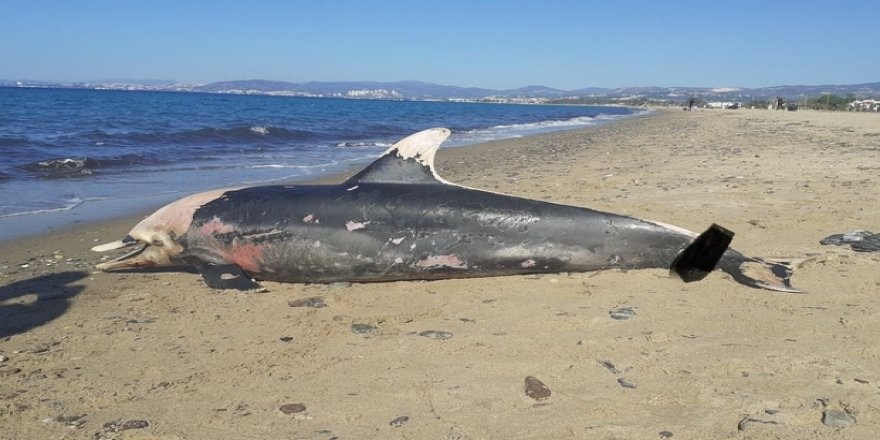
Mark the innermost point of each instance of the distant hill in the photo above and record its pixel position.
(423, 90)
(403, 89)
(417, 90)
(145, 82)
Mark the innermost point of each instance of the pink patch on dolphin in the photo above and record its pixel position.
(216, 226)
(450, 261)
(528, 263)
(352, 225)
(246, 256)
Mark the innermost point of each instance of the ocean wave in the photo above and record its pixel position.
(12, 141)
(542, 125)
(67, 205)
(82, 166)
(363, 144)
(62, 167)
(509, 131)
(287, 166)
(198, 136)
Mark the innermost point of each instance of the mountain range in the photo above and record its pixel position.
(423, 90)
(417, 90)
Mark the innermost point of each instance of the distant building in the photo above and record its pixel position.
(864, 105)
(373, 93)
(723, 105)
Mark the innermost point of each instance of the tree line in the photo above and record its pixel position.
(829, 101)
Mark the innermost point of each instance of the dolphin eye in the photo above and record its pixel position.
(157, 242)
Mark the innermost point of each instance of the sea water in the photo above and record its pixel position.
(69, 155)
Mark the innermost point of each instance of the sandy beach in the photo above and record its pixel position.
(158, 355)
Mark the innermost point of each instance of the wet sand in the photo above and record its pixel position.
(160, 356)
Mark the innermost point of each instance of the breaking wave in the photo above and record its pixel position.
(80, 166)
(506, 131)
(198, 136)
(68, 204)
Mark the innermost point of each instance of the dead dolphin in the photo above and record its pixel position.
(398, 220)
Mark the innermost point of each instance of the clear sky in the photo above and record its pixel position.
(494, 44)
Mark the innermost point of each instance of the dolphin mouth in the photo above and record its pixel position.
(123, 261)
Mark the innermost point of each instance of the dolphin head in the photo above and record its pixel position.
(154, 245)
(156, 239)
(159, 251)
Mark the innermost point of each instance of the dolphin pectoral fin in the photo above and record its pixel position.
(226, 277)
(702, 255)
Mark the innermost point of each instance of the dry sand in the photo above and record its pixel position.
(712, 359)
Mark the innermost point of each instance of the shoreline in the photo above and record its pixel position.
(705, 360)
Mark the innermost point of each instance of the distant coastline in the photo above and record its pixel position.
(423, 91)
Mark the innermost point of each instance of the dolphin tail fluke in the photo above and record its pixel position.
(702, 255)
(709, 250)
(759, 273)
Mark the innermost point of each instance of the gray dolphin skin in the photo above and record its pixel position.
(398, 220)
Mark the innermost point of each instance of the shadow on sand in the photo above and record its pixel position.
(53, 294)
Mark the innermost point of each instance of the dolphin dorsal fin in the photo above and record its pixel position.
(411, 160)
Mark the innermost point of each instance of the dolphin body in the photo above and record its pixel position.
(398, 220)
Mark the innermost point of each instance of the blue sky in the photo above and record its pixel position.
(495, 44)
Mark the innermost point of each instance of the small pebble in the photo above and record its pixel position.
(315, 302)
(134, 424)
(856, 379)
(626, 383)
(609, 366)
(665, 434)
(71, 421)
(536, 389)
(363, 329)
(436, 334)
(400, 421)
(5, 372)
(286, 338)
(292, 408)
(836, 418)
(622, 314)
(747, 421)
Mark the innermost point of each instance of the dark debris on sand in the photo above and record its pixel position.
(858, 240)
(536, 389)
